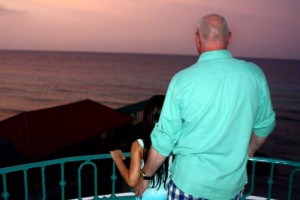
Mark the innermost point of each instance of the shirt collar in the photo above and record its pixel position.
(217, 54)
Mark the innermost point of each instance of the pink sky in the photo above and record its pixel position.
(261, 28)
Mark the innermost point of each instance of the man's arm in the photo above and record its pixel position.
(255, 143)
(154, 161)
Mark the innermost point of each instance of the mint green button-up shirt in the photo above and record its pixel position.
(209, 113)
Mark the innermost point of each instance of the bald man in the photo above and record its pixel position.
(216, 114)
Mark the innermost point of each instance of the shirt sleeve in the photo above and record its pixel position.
(167, 131)
(265, 120)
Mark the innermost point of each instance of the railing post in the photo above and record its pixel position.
(95, 179)
(5, 193)
(113, 181)
(62, 182)
(270, 181)
(25, 184)
(291, 183)
(43, 183)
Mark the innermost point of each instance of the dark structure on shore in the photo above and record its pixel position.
(37, 134)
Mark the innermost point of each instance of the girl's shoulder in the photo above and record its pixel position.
(141, 142)
(137, 145)
(137, 148)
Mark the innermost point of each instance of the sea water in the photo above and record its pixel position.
(33, 80)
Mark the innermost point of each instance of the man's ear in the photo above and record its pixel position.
(229, 38)
(198, 41)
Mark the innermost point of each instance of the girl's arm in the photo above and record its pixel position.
(131, 175)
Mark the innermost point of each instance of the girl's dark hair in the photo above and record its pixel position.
(150, 118)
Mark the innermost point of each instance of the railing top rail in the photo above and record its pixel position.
(275, 161)
(55, 162)
(106, 156)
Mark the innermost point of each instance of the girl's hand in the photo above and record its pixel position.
(117, 154)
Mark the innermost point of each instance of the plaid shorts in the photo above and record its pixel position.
(176, 194)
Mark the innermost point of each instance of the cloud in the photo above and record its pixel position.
(7, 11)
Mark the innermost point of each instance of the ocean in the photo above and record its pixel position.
(31, 80)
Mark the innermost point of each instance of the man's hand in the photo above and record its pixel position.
(154, 160)
(141, 187)
(255, 143)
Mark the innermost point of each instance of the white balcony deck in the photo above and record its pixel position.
(131, 195)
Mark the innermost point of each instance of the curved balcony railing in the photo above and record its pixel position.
(91, 160)
(295, 168)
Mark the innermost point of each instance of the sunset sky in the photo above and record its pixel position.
(261, 28)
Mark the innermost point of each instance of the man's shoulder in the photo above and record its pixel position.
(247, 65)
(244, 61)
(185, 72)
